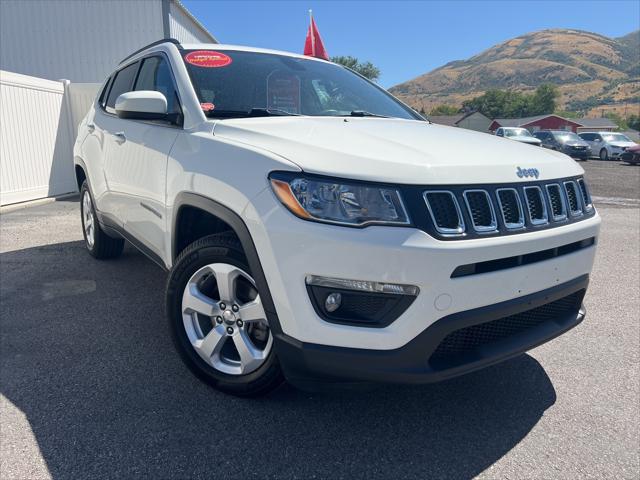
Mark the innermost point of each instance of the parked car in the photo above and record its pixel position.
(519, 134)
(607, 145)
(315, 228)
(565, 142)
(631, 155)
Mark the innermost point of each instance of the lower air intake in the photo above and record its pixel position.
(467, 340)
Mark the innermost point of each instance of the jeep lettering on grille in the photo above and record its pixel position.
(528, 172)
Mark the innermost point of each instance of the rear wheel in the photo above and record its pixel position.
(99, 244)
(604, 155)
(217, 320)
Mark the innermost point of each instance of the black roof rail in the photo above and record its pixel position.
(152, 44)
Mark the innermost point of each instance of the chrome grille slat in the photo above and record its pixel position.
(481, 212)
(557, 202)
(445, 212)
(573, 198)
(586, 196)
(510, 207)
(536, 206)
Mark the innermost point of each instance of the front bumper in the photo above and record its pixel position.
(290, 249)
(422, 360)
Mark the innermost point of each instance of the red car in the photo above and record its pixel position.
(631, 155)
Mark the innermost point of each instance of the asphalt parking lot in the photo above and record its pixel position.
(91, 386)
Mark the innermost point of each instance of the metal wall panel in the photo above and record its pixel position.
(80, 40)
(184, 29)
(35, 141)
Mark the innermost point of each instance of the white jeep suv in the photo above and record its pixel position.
(316, 229)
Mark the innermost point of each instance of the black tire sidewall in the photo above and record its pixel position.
(186, 266)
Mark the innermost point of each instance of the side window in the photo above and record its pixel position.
(500, 133)
(122, 83)
(103, 94)
(155, 74)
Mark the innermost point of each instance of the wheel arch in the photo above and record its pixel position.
(186, 200)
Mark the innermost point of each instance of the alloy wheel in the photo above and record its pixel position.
(88, 220)
(224, 319)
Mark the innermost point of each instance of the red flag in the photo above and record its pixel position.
(313, 45)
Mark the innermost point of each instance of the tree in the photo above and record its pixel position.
(544, 100)
(497, 103)
(444, 110)
(366, 69)
(634, 122)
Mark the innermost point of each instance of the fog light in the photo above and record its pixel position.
(333, 302)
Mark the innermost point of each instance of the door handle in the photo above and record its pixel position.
(120, 137)
(91, 127)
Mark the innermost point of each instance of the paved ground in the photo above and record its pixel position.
(91, 386)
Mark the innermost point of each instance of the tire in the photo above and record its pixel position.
(201, 334)
(98, 243)
(604, 155)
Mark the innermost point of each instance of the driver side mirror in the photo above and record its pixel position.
(142, 105)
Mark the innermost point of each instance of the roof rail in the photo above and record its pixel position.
(152, 44)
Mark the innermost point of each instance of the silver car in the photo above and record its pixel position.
(607, 145)
(519, 134)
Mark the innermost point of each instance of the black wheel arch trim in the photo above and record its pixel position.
(231, 218)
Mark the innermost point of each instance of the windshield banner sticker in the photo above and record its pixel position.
(207, 59)
(283, 92)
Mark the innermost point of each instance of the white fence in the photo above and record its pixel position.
(38, 121)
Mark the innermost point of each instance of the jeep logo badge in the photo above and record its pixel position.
(527, 172)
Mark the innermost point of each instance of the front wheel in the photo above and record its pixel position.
(604, 155)
(98, 243)
(217, 320)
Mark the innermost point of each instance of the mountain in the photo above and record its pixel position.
(592, 72)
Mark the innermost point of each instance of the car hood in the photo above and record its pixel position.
(523, 139)
(394, 150)
(622, 144)
(576, 143)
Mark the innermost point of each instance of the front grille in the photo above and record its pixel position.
(483, 217)
(510, 207)
(572, 196)
(586, 196)
(459, 212)
(445, 212)
(535, 205)
(467, 340)
(558, 207)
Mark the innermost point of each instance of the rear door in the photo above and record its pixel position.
(137, 159)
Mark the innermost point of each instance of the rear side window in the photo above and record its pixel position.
(155, 74)
(122, 83)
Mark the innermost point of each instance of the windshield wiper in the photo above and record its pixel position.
(364, 113)
(254, 112)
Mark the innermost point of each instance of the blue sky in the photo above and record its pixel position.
(406, 39)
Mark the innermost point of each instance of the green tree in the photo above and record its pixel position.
(366, 69)
(544, 99)
(444, 110)
(634, 122)
(497, 103)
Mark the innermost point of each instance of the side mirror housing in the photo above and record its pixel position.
(142, 105)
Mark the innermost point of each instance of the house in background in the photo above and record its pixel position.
(556, 122)
(471, 121)
(84, 40)
(597, 125)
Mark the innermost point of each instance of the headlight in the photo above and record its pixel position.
(340, 202)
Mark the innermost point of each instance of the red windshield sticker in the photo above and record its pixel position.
(207, 59)
(207, 107)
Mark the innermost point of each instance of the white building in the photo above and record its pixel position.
(84, 40)
(44, 41)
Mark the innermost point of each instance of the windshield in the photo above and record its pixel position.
(566, 136)
(238, 84)
(616, 137)
(517, 132)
